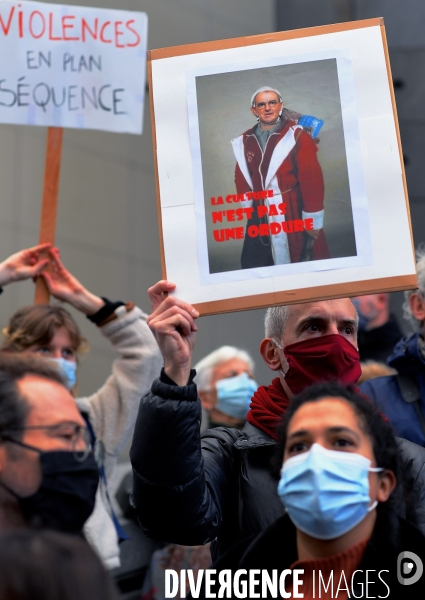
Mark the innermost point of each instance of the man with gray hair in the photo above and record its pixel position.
(402, 397)
(189, 490)
(225, 383)
(278, 173)
(220, 488)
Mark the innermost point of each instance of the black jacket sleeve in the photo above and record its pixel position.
(180, 485)
(411, 458)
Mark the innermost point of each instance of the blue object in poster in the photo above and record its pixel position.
(312, 123)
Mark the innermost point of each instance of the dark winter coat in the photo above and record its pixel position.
(386, 395)
(192, 491)
(378, 343)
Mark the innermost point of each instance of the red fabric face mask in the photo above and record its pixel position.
(325, 358)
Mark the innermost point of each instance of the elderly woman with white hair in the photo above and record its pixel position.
(225, 386)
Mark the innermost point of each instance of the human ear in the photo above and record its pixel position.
(417, 306)
(269, 352)
(387, 483)
(380, 301)
(253, 112)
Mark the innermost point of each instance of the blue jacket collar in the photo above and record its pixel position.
(406, 357)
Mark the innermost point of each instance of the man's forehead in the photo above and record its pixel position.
(232, 365)
(49, 401)
(340, 309)
(266, 94)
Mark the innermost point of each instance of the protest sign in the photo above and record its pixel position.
(72, 66)
(279, 168)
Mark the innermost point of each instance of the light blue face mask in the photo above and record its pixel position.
(326, 492)
(68, 370)
(234, 395)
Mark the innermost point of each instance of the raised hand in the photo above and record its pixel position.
(64, 286)
(24, 264)
(172, 322)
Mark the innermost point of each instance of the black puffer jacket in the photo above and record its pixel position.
(191, 491)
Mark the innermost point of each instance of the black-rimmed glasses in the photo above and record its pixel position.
(262, 105)
(77, 435)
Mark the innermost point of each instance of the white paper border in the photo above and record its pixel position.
(380, 157)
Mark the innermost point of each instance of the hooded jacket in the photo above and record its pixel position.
(385, 392)
(191, 490)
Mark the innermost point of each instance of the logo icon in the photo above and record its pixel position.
(409, 568)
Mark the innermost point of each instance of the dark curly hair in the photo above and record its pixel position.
(370, 421)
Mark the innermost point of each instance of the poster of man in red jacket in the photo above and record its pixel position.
(276, 188)
(278, 155)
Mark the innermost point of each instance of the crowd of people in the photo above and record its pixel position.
(224, 471)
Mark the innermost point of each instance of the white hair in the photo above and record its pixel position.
(264, 89)
(205, 367)
(420, 267)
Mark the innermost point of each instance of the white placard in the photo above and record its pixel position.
(72, 66)
(211, 91)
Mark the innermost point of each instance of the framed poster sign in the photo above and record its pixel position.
(279, 168)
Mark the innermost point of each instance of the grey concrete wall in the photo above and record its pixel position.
(107, 222)
(404, 19)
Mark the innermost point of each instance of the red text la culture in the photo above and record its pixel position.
(52, 26)
(260, 195)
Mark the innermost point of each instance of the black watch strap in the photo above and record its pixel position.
(106, 311)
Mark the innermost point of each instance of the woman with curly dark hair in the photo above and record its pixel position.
(337, 482)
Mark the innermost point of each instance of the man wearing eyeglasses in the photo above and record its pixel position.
(48, 475)
(279, 157)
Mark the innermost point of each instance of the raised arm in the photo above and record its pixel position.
(172, 322)
(24, 264)
(113, 408)
(64, 286)
(180, 489)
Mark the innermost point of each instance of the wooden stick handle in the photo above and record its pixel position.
(50, 201)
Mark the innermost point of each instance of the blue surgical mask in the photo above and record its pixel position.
(326, 492)
(234, 395)
(68, 370)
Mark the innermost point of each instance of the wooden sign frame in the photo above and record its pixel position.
(49, 204)
(378, 276)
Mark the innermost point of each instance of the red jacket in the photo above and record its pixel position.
(290, 167)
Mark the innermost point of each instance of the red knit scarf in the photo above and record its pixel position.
(267, 407)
